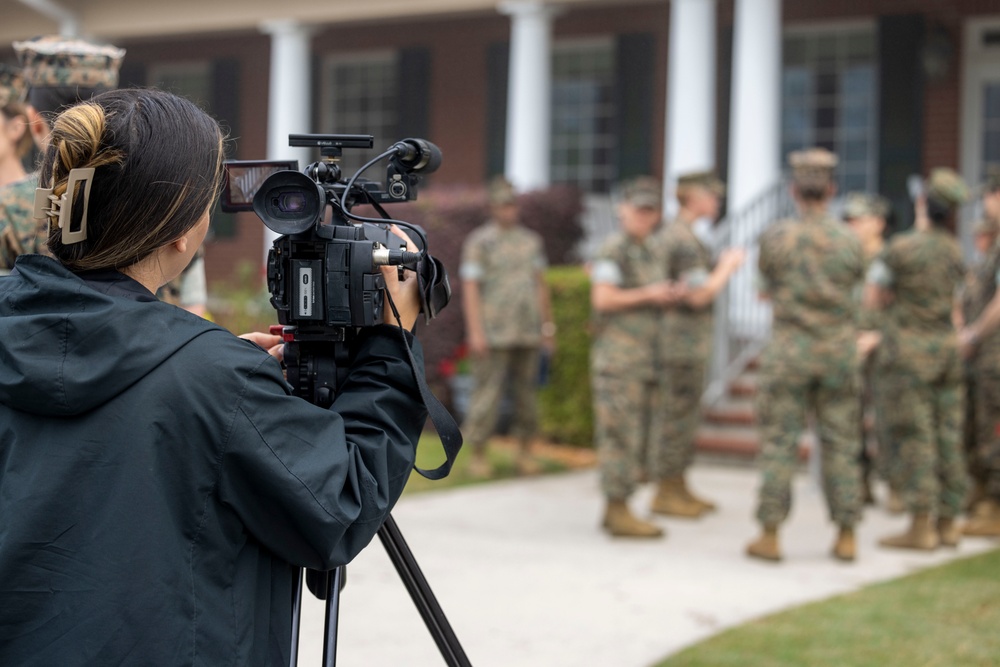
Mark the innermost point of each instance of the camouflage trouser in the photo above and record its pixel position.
(623, 416)
(514, 369)
(972, 426)
(987, 454)
(924, 421)
(677, 421)
(783, 403)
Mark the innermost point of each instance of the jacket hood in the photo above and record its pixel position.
(68, 345)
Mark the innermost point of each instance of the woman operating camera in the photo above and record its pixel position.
(158, 481)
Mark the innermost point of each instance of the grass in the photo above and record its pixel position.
(945, 617)
(501, 453)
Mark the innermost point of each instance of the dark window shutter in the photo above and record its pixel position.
(497, 74)
(634, 65)
(225, 105)
(414, 93)
(901, 110)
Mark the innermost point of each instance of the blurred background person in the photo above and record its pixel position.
(15, 139)
(685, 345)
(981, 347)
(508, 319)
(628, 293)
(811, 269)
(59, 72)
(916, 280)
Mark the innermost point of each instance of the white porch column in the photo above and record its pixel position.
(289, 101)
(529, 114)
(755, 111)
(690, 122)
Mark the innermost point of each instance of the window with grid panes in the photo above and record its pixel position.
(583, 150)
(829, 99)
(360, 97)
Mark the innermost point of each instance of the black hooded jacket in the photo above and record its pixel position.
(158, 481)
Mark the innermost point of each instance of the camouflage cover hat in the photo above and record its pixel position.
(702, 179)
(54, 61)
(861, 204)
(12, 85)
(812, 167)
(947, 186)
(642, 192)
(502, 192)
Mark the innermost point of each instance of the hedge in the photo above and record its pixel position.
(566, 411)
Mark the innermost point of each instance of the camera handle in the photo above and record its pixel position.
(324, 374)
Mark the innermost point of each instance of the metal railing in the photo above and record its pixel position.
(742, 319)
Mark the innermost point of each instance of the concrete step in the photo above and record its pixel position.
(745, 385)
(731, 410)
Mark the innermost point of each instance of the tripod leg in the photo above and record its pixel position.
(293, 653)
(332, 616)
(422, 595)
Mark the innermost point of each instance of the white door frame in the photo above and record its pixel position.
(979, 64)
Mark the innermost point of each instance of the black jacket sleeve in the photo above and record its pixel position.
(314, 485)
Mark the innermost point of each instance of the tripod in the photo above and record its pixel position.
(315, 369)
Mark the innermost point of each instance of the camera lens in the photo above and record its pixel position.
(290, 202)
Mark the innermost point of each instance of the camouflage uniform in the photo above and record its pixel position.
(622, 365)
(811, 269)
(985, 369)
(506, 264)
(921, 368)
(77, 68)
(685, 346)
(20, 233)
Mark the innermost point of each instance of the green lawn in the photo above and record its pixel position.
(945, 617)
(430, 455)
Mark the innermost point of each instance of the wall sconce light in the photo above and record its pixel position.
(937, 53)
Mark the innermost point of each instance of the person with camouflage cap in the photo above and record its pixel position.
(59, 72)
(810, 269)
(685, 344)
(915, 281)
(981, 347)
(866, 215)
(629, 290)
(15, 139)
(508, 320)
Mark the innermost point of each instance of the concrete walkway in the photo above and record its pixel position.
(526, 578)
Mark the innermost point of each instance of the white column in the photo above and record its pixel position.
(690, 135)
(529, 94)
(755, 111)
(289, 101)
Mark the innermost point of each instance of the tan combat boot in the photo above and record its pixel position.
(985, 520)
(766, 547)
(921, 535)
(703, 504)
(949, 532)
(845, 548)
(671, 501)
(894, 504)
(620, 522)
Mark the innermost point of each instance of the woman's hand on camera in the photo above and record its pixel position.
(273, 344)
(404, 293)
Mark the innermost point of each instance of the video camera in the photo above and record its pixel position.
(323, 275)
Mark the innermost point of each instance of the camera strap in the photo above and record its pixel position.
(445, 425)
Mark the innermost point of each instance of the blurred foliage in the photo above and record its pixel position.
(566, 409)
(241, 304)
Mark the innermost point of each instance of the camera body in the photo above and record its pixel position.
(324, 274)
(329, 278)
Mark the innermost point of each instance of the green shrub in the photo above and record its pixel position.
(566, 409)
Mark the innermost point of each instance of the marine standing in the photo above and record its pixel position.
(685, 345)
(811, 269)
(508, 320)
(629, 291)
(981, 345)
(15, 139)
(916, 280)
(59, 72)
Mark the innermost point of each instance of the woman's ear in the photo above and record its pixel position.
(181, 244)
